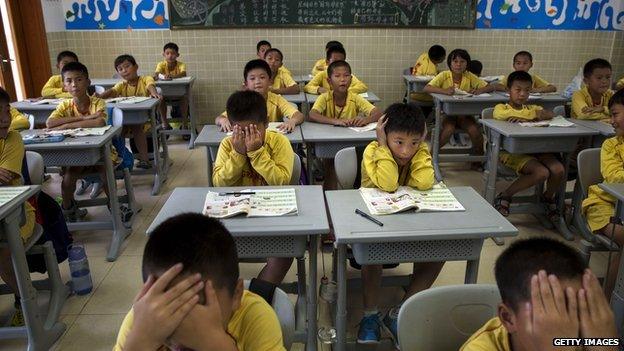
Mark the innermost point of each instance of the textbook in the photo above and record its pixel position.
(366, 128)
(8, 193)
(253, 203)
(76, 132)
(437, 199)
(423, 78)
(128, 99)
(557, 121)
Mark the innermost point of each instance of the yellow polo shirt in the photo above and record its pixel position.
(54, 88)
(424, 67)
(620, 84)
(319, 66)
(355, 105)
(493, 336)
(320, 80)
(468, 82)
(582, 98)
(18, 120)
(282, 80)
(503, 112)
(140, 89)
(163, 68)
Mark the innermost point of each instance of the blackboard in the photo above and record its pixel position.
(350, 13)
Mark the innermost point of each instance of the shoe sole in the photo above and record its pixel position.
(389, 332)
(368, 342)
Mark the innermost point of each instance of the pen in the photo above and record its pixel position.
(237, 193)
(365, 215)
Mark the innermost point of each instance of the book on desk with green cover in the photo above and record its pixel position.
(437, 199)
(253, 203)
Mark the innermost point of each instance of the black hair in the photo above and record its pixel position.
(335, 49)
(247, 105)
(617, 98)
(172, 46)
(594, 64)
(123, 58)
(457, 53)
(255, 64)
(64, 54)
(75, 67)
(524, 258)
(337, 64)
(437, 53)
(519, 76)
(523, 53)
(475, 67)
(333, 43)
(261, 43)
(4, 96)
(202, 244)
(274, 50)
(408, 118)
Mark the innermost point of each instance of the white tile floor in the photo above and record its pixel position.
(93, 320)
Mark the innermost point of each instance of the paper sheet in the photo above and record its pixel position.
(8, 193)
(366, 128)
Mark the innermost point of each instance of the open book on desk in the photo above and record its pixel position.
(437, 199)
(47, 102)
(253, 203)
(128, 99)
(8, 193)
(272, 126)
(557, 121)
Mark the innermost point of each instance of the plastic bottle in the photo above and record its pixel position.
(79, 269)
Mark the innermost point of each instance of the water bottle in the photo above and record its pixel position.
(79, 269)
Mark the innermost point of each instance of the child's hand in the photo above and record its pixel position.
(225, 125)
(595, 315)
(158, 312)
(253, 139)
(380, 130)
(6, 176)
(588, 109)
(341, 122)
(287, 127)
(238, 140)
(359, 122)
(449, 91)
(156, 96)
(546, 115)
(99, 114)
(515, 120)
(321, 90)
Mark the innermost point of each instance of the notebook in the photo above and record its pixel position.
(558, 121)
(8, 193)
(128, 99)
(437, 199)
(366, 128)
(258, 203)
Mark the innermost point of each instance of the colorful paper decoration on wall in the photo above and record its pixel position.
(115, 14)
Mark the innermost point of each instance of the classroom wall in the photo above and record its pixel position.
(378, 56)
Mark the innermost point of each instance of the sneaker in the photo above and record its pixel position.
(74, 214)
(144, 164)
(82, 187)
(390, 324)
(17, 320)
(97, 190)
(369, 331)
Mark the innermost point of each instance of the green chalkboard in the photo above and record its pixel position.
(351, 13)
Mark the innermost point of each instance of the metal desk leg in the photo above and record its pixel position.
(119, 231)
(312, 294)
(192, 116)
(561, 224)
(472, 271)
(209, 164)
(435, 140)
(341, 303)
(617, 297)
(158, 166)
(490, 180)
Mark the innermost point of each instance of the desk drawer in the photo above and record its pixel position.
(538, 145)
(84, 157)
(271, 246)
(173, 90)
(417, 251)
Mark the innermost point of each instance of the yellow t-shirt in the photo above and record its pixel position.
(320, 80)
(538, 82)
(271, 164)
(355, 105)
(620, 84)
(600, 205)
(18, 120)
(125, 89)
(380, 170)
(163, 68)
(11, 157)
(493, 336)
(582, 99)
(277, 108)
(254, 326)
(319, 66)
(285, 70)
(67, 108)
(424, 67)
(503, 112)
(54, 88)
(282, 80)
(468, 82)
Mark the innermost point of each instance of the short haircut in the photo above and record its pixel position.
(518, 76)
(4, 96)
(475, 67)
(123, 58)
(437, 53)
(262, 43)
(523, 53)
(407, 118)
(255, 64)
(64, 54)
(594, 64)
(247, 105)
(337, 64)
(616, 99)
(522, 259)
(75, 67)
(274, 50)
(335, 49)
(172, 46)
(202, 244)
(457, 53)
(333, 43)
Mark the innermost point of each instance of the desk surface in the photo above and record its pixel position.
(112, 81)
(495, 97)
(210, 135)
(311, 219)
(29, 106)
(296, 98)
(143, 105)
(603, 128)
(515, 130)
(416, 79)
(372, 98)
(615, 189)
(480, 220)
(87, 142)
(26, 106)
(18, 200)
(302, 78)
(319, 132)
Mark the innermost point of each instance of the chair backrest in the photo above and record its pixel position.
(31, 121)
(35, 167)
(443, 318)
(345, 163)
(487, 113)
(117, 117)
(296, 172)
(588, 165)
(559, 111)
(99, 89)
(285, 314)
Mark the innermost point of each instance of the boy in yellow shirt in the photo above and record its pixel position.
(53, 88)
(535, 168)
(257, 75)
(427, 65)
(523, 61)
(193, 298)
(19, 121)
(134, 85)
(283, 83)
(262, 47)
(591, 102)
(341, 107)
(11, 157)
(168, 69)
(599, 206)
(547, 292)
(320, 83)
(254, 156)
(82, 111)
(399, 157)
(321, 64)
(447, 82)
